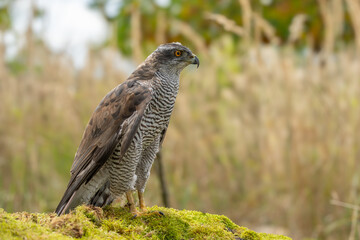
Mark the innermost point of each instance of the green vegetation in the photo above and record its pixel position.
(117, 223)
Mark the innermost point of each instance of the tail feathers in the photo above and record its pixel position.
(63, 206)
(102, 197)
(69, 201)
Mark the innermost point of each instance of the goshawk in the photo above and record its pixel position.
(125, 132)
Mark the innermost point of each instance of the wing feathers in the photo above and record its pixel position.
(117, 118)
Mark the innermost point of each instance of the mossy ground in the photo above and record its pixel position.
(117, 223)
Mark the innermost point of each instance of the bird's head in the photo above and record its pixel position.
(174, 56)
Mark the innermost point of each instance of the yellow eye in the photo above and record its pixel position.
(178, 53)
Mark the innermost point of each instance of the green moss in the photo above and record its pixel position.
(117, 223)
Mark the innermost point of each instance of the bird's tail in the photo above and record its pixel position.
(103, 196)
(65, 202)
(99, 198)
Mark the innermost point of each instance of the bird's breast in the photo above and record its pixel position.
(157, 115)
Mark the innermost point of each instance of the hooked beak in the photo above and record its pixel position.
(195, 60)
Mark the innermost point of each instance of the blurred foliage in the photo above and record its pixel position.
(279, 13)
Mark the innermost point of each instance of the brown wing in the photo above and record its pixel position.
(117, 118)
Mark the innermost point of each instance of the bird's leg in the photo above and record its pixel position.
(143, 206)
(144, 211)
(131, 203)
(141, 201)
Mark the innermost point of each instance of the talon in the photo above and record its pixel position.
(161, 213)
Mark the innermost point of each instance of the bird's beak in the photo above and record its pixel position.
(195, 61)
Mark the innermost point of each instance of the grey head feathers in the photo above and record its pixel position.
(172, 55)
(164, 58)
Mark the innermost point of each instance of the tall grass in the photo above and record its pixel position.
(266, 135)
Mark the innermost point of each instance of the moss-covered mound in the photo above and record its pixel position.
(118, 223)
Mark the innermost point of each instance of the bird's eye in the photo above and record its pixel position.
(178, 53)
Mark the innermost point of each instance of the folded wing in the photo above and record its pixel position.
(115, 120)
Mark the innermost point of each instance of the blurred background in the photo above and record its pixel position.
(266, 131)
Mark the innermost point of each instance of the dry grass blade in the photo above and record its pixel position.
(354, 9)
(266, 28)
(296, 28)
(136, 34)
(345, 204)
(247, 17)
(354, 217)
(228, 24)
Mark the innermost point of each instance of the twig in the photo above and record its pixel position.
(162, 179)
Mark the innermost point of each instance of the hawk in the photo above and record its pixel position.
(125, 132)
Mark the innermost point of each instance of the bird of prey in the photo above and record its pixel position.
(125, 132)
